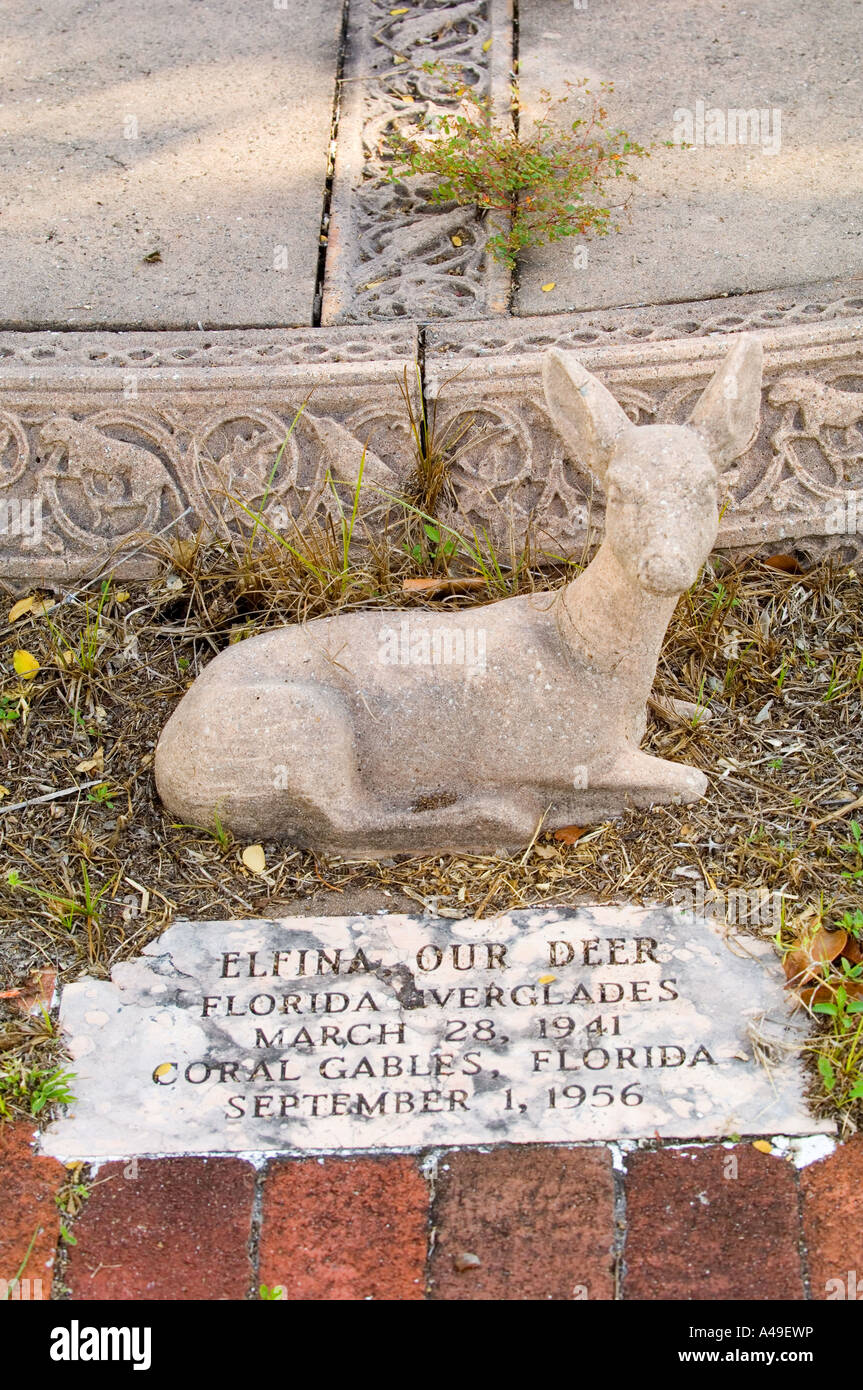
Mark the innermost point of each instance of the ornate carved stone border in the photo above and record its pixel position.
(391, 252)
(820, 303)
(802, 479)
(105, 437)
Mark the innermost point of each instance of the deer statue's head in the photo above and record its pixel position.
(661, 481)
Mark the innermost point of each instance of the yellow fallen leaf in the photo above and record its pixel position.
(163, 1069)
(121, 595)
(25, 664)
(94, 764)
(456, 241)
(254, 858)
(4, 791)
(552, 284)
(66, 658)
(763, 1146)
(20, 608)
(403, 10)
(547, 979)
(486, 46)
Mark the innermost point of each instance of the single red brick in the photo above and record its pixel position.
(166, 1228)
(833, 1222)
(345, 1229)
(711, 1223)
(540, 1220)
(27, 1184)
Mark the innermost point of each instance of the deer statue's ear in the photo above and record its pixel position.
(728, 411)
(585, 414)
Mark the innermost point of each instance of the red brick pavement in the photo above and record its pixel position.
(29, 1214)
(712, 1223)
(165, 1228)
(833, 1222)
(345, 1229)
(514, 1223)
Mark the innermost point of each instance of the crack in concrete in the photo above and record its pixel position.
(332, 155)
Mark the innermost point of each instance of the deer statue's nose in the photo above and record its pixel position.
(662, 574)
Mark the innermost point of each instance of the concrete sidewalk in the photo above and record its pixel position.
(717, 218)
(192, 134)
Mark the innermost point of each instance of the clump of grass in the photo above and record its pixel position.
(84, 906)
(31, 1089)
(216, 832)
(435, 448)
(83, 652)
(33, 1077)
(537, 182)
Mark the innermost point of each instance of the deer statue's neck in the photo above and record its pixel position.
(614, 624)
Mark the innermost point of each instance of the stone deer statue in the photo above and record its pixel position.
(479, 725)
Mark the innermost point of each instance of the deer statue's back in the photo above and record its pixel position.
(377, 733)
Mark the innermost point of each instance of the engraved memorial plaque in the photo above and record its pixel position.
(391, 1032)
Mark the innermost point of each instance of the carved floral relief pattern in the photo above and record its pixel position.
(502, 336)
(410, 257)
(143, 352)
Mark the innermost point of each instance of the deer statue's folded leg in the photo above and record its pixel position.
(283, 764)
(280, 757)
(645, 779)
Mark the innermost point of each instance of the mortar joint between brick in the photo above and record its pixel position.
(802, 1247)
(619, 1226)
(429, 1168)
(60, 1291)
(254, 1242)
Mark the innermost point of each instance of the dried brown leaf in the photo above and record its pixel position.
(570, 834)
(441, 584)
(789, 564)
